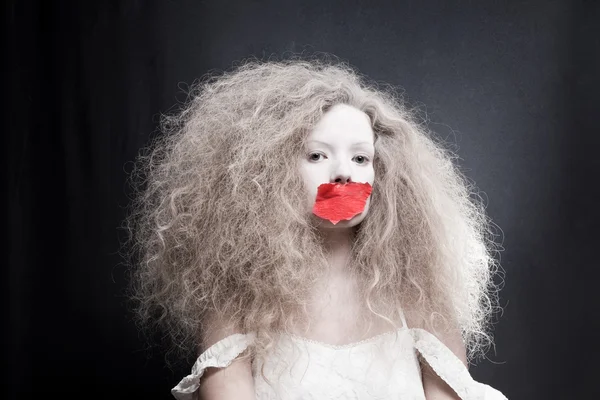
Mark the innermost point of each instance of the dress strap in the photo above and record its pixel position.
(219, 355)
(404, 324)
(451, 369)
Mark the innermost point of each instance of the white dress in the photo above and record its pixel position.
(382, 367)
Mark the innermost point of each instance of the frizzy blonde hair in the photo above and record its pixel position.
(220, 226)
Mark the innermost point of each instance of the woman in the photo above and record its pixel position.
(288, 291)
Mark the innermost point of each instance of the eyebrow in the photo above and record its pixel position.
(353, 145)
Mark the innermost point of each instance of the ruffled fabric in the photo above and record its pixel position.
(219, 355)
(320, 376)
(451, 369)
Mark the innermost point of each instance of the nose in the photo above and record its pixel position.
(341, 173)
(342, 179)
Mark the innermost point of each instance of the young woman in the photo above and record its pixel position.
(310, 240)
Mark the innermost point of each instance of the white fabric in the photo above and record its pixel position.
(219, 355)
(383, 367)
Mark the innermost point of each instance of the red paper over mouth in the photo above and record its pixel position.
(337, 202)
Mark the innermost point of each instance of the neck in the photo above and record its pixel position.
(338, 247)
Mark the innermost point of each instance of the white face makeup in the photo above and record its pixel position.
(339, 149)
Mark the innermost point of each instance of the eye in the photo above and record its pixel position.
(315, 156)
(361, 159)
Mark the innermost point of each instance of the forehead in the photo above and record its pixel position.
(343, 123)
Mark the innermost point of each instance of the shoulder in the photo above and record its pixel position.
(216, 328)
(213, 361)
(444, 330)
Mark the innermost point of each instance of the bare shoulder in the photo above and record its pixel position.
(448, 332)
(216, 328)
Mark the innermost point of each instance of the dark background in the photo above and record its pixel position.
(513, 84)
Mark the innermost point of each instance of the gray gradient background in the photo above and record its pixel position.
(513, 84)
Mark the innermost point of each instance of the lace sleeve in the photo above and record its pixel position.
(451, 369)
(219, 355)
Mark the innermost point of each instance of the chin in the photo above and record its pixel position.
(347, 223)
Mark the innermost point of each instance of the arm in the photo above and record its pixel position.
(434, 387)
(234, 382)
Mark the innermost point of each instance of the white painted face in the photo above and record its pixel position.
(340, 148)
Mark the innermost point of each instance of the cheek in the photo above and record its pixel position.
(310, 184)
(367, 205)
(371, 176)
(312, 178)
(365, 175)
(311, 191)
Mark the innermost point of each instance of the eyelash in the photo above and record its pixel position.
(367, 159)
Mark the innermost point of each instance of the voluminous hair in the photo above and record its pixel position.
(220, 226)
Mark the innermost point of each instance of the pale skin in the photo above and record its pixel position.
(339, 149)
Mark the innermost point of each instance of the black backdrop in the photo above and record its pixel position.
(513, 84)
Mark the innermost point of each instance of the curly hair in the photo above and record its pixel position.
(219, 224)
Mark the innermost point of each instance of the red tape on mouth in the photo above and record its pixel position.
(337, 202)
